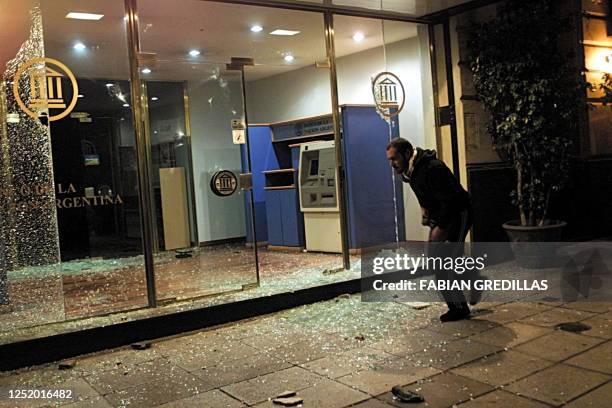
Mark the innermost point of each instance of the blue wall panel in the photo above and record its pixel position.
(293, 220)
(372, 211)
(262, 158)
(273, 209)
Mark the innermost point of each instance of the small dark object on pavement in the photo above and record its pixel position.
(141, 345)
(183, 254)
(66, 365)
(360, 337)
(288, 401)
(574, 327)
(405, 395)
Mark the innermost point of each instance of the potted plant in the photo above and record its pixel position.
(532, 96)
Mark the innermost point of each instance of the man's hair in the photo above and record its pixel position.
(402, 146)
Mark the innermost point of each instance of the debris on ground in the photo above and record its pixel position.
(343, 296)
(573, 327)
(66, 365)
(288, 401)
(405, 395)
(418, 305)
(330, 271)
(360, 337)
(143, 345)
(286, 394)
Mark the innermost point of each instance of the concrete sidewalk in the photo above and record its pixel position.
(348, 353)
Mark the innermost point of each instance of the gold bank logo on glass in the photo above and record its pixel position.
(46, 92)
(389, 94)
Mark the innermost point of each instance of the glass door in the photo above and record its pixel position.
(385, 93)
(235, 89)
(194, 115)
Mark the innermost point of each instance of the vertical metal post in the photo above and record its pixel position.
(434, 75)
(333, 81)
(193, 210)
(451, 97)
(248, 154)
(146, 218)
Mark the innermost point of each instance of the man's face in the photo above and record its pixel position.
(397, 161)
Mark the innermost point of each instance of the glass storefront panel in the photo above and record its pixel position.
(384, 92)
(193, 103)
(280, 68)
(239, 136)
(71, 242)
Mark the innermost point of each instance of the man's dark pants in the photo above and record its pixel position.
(451, 244)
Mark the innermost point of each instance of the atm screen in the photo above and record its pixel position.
(314, 167)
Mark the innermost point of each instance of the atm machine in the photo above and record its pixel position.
(318, 189)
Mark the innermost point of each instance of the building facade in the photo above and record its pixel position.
(156, 155)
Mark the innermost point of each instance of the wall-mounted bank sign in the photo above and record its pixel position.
(44, 77)
(318, 126)
(224, 183)
(389, 94)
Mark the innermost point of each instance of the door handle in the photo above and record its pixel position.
(246, 181)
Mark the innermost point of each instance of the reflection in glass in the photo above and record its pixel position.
(69, 172)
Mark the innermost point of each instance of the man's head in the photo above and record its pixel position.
(399, 152)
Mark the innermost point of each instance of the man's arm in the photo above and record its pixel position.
(442, 184)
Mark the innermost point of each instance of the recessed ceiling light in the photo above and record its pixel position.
(194, 53)
(289, 58)
(126, 105)
(154, 98)
(84, 16)
(146, 71)
(79, 46)
(108, 85)
(284, 32)
(256, 28)
(80, 96)
(358, 36)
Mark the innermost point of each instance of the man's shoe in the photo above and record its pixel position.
(455, 314)
(475, 297)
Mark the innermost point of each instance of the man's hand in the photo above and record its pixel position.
(437, 234)
(424, 217)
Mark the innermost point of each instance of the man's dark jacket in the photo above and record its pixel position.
(436, 188)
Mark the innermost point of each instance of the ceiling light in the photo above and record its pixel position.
(154, 98)
(194, 53)
(79, 46)
(80, 96)
(126, 105)
(108, 85)
(358, 36)
(146, 71)
(284, 32)
(256, 28)
(84, 16)
(289, 58)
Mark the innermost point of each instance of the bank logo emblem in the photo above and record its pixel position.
(224, 183)
(389, 94)
(44, 77)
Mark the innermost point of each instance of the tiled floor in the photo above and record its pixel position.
(80, 289)
(346, 352)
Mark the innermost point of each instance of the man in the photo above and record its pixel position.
(446, 208)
